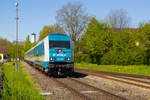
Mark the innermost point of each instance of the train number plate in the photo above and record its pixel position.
(60, 59)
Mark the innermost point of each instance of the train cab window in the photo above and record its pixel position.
(59, 44)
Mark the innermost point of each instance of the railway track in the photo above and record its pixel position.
(83, 91)
(118, 76)
(115, 74)
(86, 91)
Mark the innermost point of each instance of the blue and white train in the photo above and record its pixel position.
(53, 55)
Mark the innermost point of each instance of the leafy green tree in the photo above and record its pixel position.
(144, 35)
(27, 44)
(98, 40)
(6, 45)
(125, 51)
(50, 29)
(44, 32)
(20, 51)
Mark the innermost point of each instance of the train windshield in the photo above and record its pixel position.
(59, 44)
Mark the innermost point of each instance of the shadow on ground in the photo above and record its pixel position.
(74, 75)
(78, 75)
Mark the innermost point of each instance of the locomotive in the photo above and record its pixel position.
(54, 54)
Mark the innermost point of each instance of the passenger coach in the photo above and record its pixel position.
(54, 54)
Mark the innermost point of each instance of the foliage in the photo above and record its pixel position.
(124, 52)
(6, 45)
(44, 32)
(20, 51)
(27, 44)
(97, 40)
(10, 49)
(18, 86)
(79, 58)
(50, 29)
(144, 38)
(107, 47)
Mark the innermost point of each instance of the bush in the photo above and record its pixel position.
(82, 58)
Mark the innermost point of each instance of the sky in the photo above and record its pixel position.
(35, 14)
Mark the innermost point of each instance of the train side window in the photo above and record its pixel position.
(33, 52)
(37, 53)
(42, 49)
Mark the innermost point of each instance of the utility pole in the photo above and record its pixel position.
(16, 4)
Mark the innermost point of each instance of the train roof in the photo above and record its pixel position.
(53, 37)
(59, 37)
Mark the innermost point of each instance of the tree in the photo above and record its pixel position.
(27, 44)
(145, 40)
(98, 40)
(6, 45)
(44, 32)
(118, 18)
(20, 51)
(50, 29)
(73, 18)
(56, 29)
(125, 49)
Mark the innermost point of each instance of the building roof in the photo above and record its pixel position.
(33, 34)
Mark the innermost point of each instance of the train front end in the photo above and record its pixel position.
(61, 55)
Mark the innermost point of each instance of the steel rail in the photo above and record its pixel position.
(118, 80)
(116, 97)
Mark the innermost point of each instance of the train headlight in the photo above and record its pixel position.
(52, 58)
(67, 58)
(59, 50)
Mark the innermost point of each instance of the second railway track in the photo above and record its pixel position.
(118, 77)
(86, 91)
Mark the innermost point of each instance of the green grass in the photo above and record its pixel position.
(130, 69)
(19, 85)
